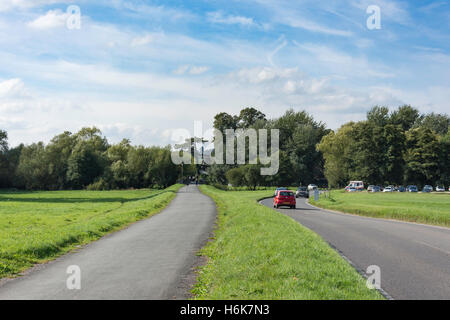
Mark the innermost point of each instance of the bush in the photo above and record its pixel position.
(98, 185)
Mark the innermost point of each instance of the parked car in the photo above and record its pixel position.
(412, 188)
(284, 198)
(351, 189)
(302, 192)
(279, 189)
(312, 187)
(375, 189)
(358, 185)
(440, 189)
(388, 189)
(401, 189)
(369, 188)
(427, 188)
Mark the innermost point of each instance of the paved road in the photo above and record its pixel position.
(414, 259)
(152, 259)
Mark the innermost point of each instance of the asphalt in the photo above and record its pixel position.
(414, 259)
(151, 259)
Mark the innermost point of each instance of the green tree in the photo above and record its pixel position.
(335, 148)
(4, 172)
(224, 121)
(249, 116)
(379, 116)
(439, 123)
(236, 177)
(444, 160)
(162, 170)
(394, 138)
(252, 175)
(422, 156)
(406, 117)
(118, 159)
(58, 152)
(88, 159)
(33, 169)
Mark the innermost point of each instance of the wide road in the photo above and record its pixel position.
(414, 259)
(151, 259)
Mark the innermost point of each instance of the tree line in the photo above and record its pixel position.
(398, 147)
(299, 160)
(84, 160)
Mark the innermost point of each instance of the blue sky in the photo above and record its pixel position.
(140, 69)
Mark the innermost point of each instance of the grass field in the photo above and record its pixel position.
(38, 226)
(259, 253)
(429, 208)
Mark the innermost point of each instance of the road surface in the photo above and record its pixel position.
(151, 259)
(414, 259)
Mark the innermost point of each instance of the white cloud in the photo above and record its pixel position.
(193, 70)
(150, 104)
(52, 19)
(142, 41)
(219, 17)
(12, 88)
(155, 12)
(315, 27)
(344, 64)
(6, 5)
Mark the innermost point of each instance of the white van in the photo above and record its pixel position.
(358, 185)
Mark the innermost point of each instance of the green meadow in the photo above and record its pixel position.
(39, 226)
(428, 208)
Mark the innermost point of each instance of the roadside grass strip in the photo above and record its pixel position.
(426, 208)
(39, 226)
(259, 253)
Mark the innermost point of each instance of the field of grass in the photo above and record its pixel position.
(258, 253)
(38, 226)
(428, 208)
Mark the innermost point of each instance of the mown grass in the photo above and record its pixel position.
(428, 208)
(39, 226)
(258, 253)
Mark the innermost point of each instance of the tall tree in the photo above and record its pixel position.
(4, 172)
(249, 116)
(335, 148)
(439, 123)
(422, 156)
(405, 117)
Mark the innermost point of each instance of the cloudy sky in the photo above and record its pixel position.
(139, 69)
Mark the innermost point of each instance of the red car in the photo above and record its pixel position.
(284, 198)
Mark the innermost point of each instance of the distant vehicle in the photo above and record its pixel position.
(302, 192)
(358, 185)
(351, 189)
(427, 188)
(440, 189)
(369, 188)
(284, 198)
(278, 189)
(401, 189)
(375, 189)
(388, 189)
(412, 189)
(312, 187)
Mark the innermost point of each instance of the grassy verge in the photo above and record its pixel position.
(414, 207)
(259, 253)
(39, 226)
